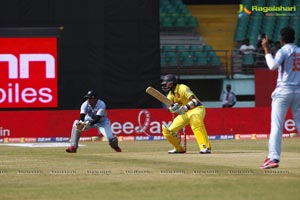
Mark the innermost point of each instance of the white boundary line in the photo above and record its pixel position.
(38, 145)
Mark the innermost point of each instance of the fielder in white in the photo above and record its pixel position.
(287, 92)
(92, 115)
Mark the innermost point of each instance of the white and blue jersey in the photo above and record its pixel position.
(287, 60)
(286, 94)
(91, 113)
(97, 118)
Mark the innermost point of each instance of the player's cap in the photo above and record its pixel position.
(91, 95)
(169, 78)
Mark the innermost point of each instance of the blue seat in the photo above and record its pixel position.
(172, 61)
(215, 61)
(248, 59)
(200, 58)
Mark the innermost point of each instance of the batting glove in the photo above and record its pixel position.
(173, 108)
(182, 110)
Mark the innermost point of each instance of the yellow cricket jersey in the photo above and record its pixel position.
(181, 94)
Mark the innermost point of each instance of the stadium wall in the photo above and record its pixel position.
(136, 124)
(110, 46)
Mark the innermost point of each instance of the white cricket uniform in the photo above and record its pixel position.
(286, 94)
(103, 125)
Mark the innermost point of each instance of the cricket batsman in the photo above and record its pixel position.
(92, 115)
(190, 111)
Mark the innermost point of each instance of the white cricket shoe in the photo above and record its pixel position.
(174, 151)
(205, 151)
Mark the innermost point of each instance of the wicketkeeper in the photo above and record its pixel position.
(92, 115)
(190, 111)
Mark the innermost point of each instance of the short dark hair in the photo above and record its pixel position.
(287, 34)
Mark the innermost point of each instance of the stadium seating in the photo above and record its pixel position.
(181, 45)
(187, 60)
(195, 47)
(189, 55)
(175, 14)
(215, 61)
(167, 21)
(200, 58)
(241, 28)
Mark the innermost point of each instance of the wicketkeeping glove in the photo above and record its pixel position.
(82, 126)
(87, 125)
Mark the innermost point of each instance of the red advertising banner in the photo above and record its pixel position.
(136, 122)
(265, 83)
(28, 72)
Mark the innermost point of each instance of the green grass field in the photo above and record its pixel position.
(144, 170)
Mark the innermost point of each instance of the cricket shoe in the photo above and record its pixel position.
(174, 151)
(205, 151)
(117, 149)
(71, 149)
(268, 164)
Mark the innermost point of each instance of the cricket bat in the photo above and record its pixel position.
(159, 96)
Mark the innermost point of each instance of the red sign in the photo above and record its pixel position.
(138, 122)
(265, 83)
(28, 72)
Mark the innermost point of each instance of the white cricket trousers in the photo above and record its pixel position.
(102, 127)
(281, 102)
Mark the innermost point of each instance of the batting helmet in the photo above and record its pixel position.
(168, 82)
(169, 78)
(91, 95)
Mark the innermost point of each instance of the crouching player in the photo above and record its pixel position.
(190, 111)
(92, 115)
